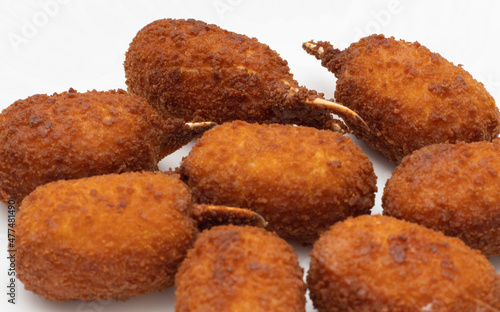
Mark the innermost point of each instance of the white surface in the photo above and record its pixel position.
(49, 46)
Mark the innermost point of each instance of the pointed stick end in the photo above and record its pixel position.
(207, 216)
(340, 110)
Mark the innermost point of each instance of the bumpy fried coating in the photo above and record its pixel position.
(409, 97)
(73, 135)
(453, 188)
(235, 268)
(104, 237)
(379, 263)
(196, 71)
(300, 179)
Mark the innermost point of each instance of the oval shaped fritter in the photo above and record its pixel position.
(453, 188)
(73, 135)
(300, 179)
(104, 237)
(409, 96)
(379, 263)
(235, 268)
(196, 71)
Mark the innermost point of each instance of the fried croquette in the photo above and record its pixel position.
(379, 263)
(73, 135)
(104, 237)
(195, 71)
(453, 188)
(300, 179)
(409, 96)
(234, 268)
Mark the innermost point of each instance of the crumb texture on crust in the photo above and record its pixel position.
(453, 188)
(379, 263)
(409, 96)
(197, 71)
(73, 135)
(105, 237)
(300, 179)
(235, 268)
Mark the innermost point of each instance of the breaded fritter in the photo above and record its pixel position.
(300, 179)
(453, 188)
(379, 263)
(409, 96)
(104, 237)
(235, 268)
(195, 71)
(73, 135)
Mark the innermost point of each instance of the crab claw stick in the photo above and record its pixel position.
(195, 71)
(408, 96)
(73, 135)
(108, 237)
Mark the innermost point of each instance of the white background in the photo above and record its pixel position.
(49, 46)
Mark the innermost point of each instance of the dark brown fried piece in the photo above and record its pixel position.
(408, 96)
(195, 71)
(453, 188)
(379, 263)
(300, 179)
(104, 237)
(74, 135)
(235, 268)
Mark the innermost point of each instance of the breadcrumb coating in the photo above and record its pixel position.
(300, 179)
(453, 188)
(104, 237)
(235, 268)
(379, 263)
(409, 96)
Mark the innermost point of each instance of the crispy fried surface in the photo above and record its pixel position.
(104, 237)
(409, 96)
(196, 71)
(453, 189)
(73, 135)
(301, 180)
(235, 268)
(379, 263)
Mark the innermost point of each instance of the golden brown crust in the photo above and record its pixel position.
(196, 71)
(300, 179)
(104, 237)
(235, 268)
(74, 135)
(453, 188)
(379, 263)
(409, 96)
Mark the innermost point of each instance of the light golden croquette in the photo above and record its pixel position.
(453, 188)
(379, 263)
(73, 135)
(197, 71)
(409, 96)
(104, 237)
(235, 268)
(300, 179)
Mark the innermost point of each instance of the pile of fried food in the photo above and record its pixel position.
(98, 220)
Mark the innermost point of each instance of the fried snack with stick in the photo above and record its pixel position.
(453, 188)
(73, 135)
(234, 268)
(300, 179)
(408, 96)
(108, 237)
(379, 263)
(196, 71)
